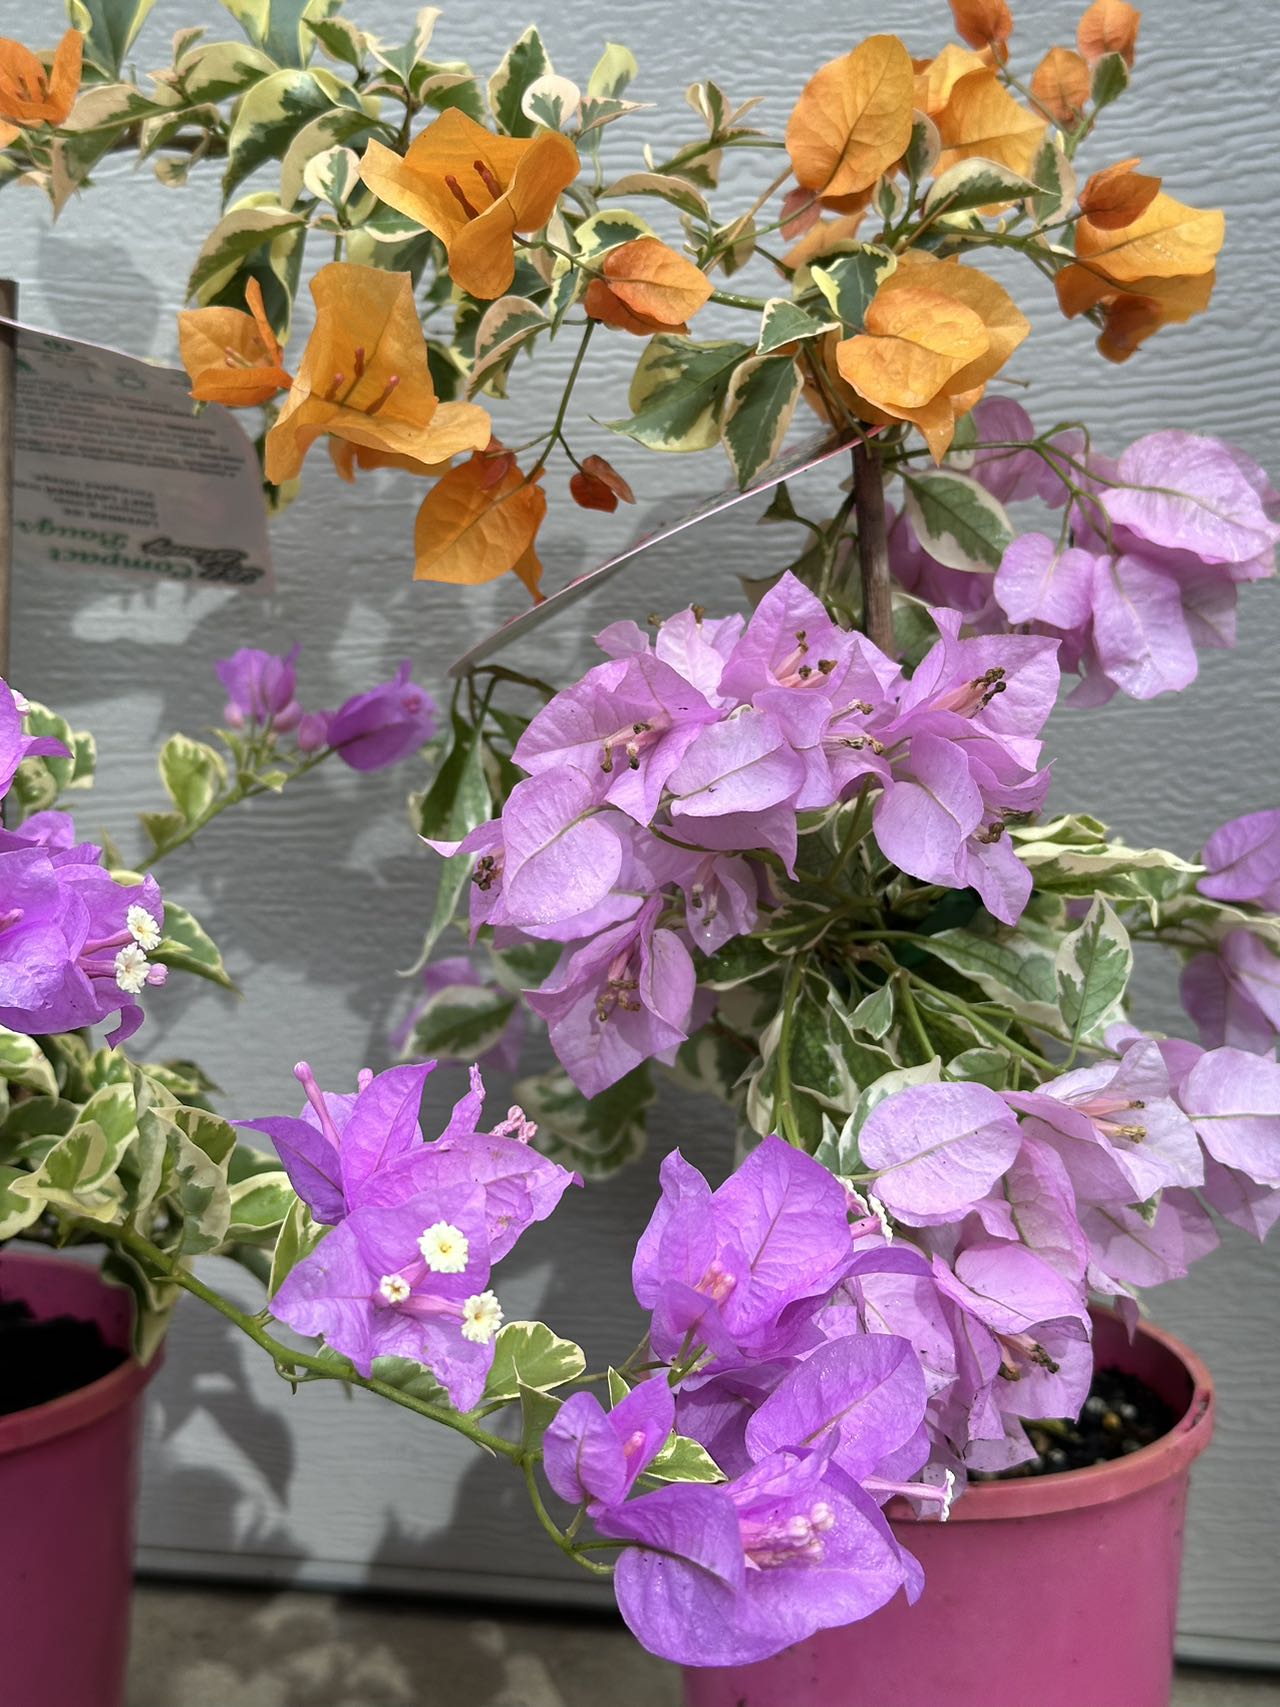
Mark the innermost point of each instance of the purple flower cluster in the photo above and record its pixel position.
(650, 778)
(1155, 546)
(833, 1344)
(415, 1226)
(1232, 990)
(369, 732)
(73, 940)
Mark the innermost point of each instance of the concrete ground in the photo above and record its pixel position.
(214, 1647)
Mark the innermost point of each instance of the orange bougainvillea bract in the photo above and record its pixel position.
(30, 94)
(597, 485)
(1117, 195)
(892, 380)
(232, 357)
(1061, 84)
(1109, 26)
(853, 120)
(474, 191)
(364, 377)
(472, 528)
(646, 287)
(983, 23)
(982, 120)
(1168, 239)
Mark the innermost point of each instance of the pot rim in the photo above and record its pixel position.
(88, 1404)
(1098, 1484)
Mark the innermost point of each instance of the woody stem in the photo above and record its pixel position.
(873, 548)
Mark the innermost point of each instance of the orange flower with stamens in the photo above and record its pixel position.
(30, 94)
(232, 357)
(364, 377)
(474, 191)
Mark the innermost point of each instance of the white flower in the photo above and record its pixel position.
(444, 1249)
(394, 1288)
(132, 967)
(143, 927)
(481, 1318)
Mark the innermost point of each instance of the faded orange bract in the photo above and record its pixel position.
(1109, 26)
(1117, 195)
(983, 330)
(30, 94)
(1062, 85)
(853, 119)
(936, 78)
(474, 191)
(1132, 312)
(364, 376)
(1167, 239)
(983, 23)
(232, 357)
(455, 428)
(646, 287)
(472, 528)
(981, 120)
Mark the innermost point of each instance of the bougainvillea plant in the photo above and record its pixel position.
(799, 855)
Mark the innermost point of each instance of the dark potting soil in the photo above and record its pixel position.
(1120, 1416)
(44, 1360)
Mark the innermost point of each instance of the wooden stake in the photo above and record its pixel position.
(8, 436)
(873, 548)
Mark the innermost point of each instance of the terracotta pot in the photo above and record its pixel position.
(1057, 1591)
(68, 1477)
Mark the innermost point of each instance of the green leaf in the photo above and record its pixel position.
(1013, 969)
(979, 1066)
(975, 183)
(528, 1354)
(107, 107)
(406, 1376)
(783, 322)
(537, 1413)
(327, 131)
(18, 1209)
(596, 1137)
(1093, 968)
(109, 28)
(1055, 180)
(742, 960)
(1110, 80)
(680, 1460)
(280, 27)
(271, 115)
(678, 391)
(613, 73)
(259, 1207)
(192, 773)
(758, 407)
(958, 521)
(402, 60)
(677, 191)
(239, 233)
(41, 780)
(341, 40)
(456, 802)
(508, 323)
(874, 1014)
(924, 148)
(211, 71)
(187, 947)
(523, 64)
(462, 1022)
(299, 1235)
(608, 230)
(154, 1298)
(850, 281)
(23, 1062)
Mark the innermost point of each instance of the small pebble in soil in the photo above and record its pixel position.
(1120, 1416)
(45, 1360)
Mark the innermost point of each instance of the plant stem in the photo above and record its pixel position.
(782, 1099)
(233, 798)
(903, 982)
(873, 548)
(553, 1529)
(284, 1355)
(554, 436)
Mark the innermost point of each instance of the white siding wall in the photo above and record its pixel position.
(243, 1478)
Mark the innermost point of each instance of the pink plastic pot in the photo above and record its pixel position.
(68, 1476)
(1060, 1591)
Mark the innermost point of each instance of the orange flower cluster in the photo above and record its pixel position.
(33, 94)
